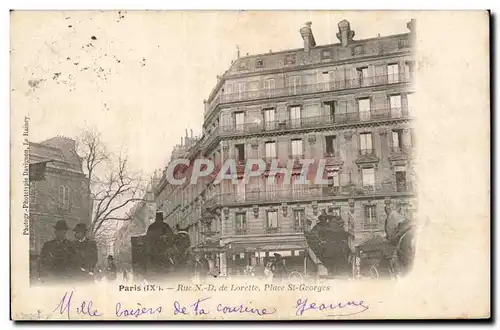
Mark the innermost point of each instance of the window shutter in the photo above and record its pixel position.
(339, 78)
(354, 78)
(371, 72)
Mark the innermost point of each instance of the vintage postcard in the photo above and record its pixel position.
(267, 165)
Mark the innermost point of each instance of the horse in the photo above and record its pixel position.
(404, 252)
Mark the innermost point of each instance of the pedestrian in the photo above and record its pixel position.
(57, 256)
(280, 270)
(86, 254)
(111, 269)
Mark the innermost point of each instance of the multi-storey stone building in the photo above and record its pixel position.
(349, 103)
(62, 195)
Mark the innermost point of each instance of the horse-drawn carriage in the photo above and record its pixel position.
(163, 256)
(378, 257)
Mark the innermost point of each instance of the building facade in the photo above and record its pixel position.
(62, 195)
(348, 103)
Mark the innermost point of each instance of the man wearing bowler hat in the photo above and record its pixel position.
(86, 253)
(57, 256)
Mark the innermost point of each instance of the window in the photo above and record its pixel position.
(259, 63)
(299, 219)
(272, 219)
(358, 50)
(295, 113)
(409, 71)
(269, 86)
(341, 112)
(371, 216)
(269, 121)
(395, 104)
(242, 65)
(240, 152)
(241, 90)
(410, 103)
(64, 197)
(404, 43)
(297, 148)
(400, 178)
(330, 144)
(325, 80)
(293, 84)
(241, 223)
(368, 177)
(270, 149)
(289, 59)
(239, 121)
(326, 54)
(392, 73)
(397, 140)
(364, 109)
(366, 146)
(330, 109)
(333, 182)
(363, 76)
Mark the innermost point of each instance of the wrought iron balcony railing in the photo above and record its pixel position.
(358, 82)
(305, 193)
(308, 122)
(405, 150)
(262, 231)
(367, 152)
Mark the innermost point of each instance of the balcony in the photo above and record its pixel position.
(397, 153)
(360, 82)
(367, 155)
(306, 193)
(265, 231)
(366, 152)
(298, 228)
(308, 122)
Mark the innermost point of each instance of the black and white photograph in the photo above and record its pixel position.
(214, 157)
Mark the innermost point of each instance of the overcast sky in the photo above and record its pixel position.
(140, 78)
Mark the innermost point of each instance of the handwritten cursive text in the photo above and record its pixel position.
(136, 311)
(85, 307)
(344, 308)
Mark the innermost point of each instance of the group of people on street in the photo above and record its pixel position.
(272, 268)
(62, 260)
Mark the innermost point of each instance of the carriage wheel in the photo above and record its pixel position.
(374, 272)
(295, 276)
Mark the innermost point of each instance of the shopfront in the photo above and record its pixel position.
(244, 256)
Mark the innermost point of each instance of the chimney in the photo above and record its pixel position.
(307, 35)
(191, 133)
(237, 51)
(182, 141)
(345, 33)
(411, 25)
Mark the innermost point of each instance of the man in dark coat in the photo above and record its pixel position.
(57, 256)
(279, 269)
(159, 238)
(86, 254)
(111, 269)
